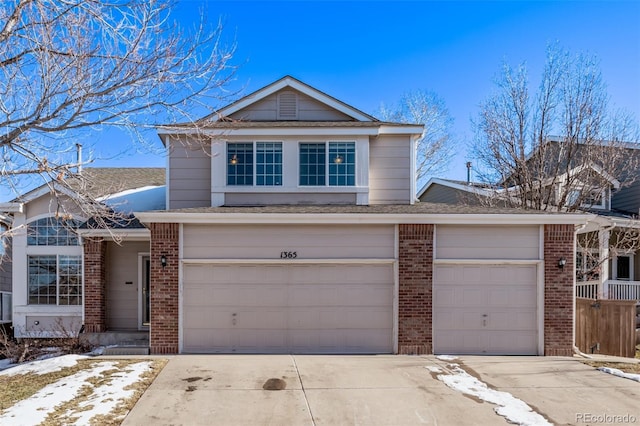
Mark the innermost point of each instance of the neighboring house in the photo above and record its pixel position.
(291, 226)
(47, 255)
(608, 246)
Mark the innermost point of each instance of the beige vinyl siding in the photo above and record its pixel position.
(390, 170)
(308, 241)
(252, 199)
(43, 205)
(62, 325)
(308, 110)
(189, 176)
(487, 242)
(122, 298)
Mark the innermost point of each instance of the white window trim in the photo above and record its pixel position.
(605, 198)
(57, 255)
(614, 266)
(254, 179)
(327, 162)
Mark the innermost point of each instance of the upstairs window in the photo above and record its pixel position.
(51, 231)
(267, 167)
(340, 164)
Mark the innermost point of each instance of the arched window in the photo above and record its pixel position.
(51, 231)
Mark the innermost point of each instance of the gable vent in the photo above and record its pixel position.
(287, 106)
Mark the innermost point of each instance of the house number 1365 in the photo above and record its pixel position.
(288, 254)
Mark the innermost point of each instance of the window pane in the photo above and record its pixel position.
(51, 231)
(269, 163)
(623, 268)
(49, 276)
(342, 160)
(42, 280)
(239, 164)
(312, 164)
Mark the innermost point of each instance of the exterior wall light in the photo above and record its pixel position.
(163, 260)
(337, 159)
(234, 160)
(561, 262)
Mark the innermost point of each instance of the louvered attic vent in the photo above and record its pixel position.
(287, 106)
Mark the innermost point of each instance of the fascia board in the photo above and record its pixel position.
(44, 190)
(12, 207)
(129, 234)
(341, 218)
(374, 130)
(408, 129)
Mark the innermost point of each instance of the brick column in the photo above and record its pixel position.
(415, 308)
(558, 290)
(163, 337)
(95, 292)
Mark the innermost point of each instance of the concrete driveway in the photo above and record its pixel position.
(373, 390)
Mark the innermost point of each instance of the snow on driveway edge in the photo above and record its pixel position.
(511, 408)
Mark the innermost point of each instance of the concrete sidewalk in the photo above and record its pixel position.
(371, 390)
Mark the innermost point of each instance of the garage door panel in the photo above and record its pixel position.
(485, 309)
(322, 308)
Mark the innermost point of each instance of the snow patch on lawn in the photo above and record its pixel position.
(102, 399)
(106, 397)
(43, 366)
(34, 410)
(620, 373)
(508, 406)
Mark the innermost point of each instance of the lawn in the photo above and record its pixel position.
(74, 390)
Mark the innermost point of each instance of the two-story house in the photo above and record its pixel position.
(291, 226)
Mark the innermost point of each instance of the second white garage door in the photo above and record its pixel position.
(305, 308)
(485, 309)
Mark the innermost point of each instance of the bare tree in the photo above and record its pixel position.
(560, 147)
(72, 67)
(434, 149)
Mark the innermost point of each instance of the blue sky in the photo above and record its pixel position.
(368, 52)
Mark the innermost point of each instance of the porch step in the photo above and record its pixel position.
(126, 350)
(131, 340)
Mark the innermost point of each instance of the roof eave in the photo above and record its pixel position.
(355, 218)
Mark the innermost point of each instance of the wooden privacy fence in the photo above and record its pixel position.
(606, 327)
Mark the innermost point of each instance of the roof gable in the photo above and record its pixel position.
(296, 86)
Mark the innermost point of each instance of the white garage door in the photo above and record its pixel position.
(485, 309)
(302, 308)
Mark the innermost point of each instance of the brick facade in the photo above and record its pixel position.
(95, 292)
(558, 290)
(415, 292)
(163, 333)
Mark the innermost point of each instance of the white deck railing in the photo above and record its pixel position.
(588, 289)
(612, 289)
(622, 290)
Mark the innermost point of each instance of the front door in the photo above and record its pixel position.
(144, 299)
